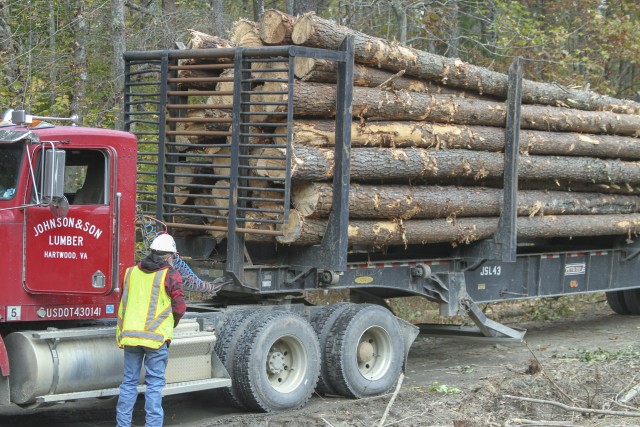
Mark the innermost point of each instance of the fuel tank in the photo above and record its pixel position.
(54, 362)
(61, 365)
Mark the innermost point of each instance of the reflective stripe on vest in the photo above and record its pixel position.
(145, 317)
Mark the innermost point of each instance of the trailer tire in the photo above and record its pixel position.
(365, 350)
(632, 300)
(278, 362)
(616, 301)
(322, 322)
(226, 346)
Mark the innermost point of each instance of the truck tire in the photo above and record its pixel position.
(322, 322)
(617, 303)
(632, 300)
(229, 335)
(278, 362)
(365, 351)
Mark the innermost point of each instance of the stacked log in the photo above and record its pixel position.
(427, 156)
(313, 31)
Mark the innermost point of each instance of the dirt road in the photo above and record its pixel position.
(589, 360)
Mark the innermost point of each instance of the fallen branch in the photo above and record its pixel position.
(524, 422)
(406, 418)
(391, 79)
(328, 423)
(544, 372)
(573, 408)
(393, 398)
(633, 392)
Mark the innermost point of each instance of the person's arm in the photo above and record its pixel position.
(173, 284)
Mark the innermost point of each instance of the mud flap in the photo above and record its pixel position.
(217, 368)
(409, 333)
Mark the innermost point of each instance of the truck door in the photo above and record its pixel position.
(74, 254)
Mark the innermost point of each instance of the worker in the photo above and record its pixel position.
(151, 306)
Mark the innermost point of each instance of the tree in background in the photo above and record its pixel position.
(64, 57)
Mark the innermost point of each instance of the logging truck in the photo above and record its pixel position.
(208, 153)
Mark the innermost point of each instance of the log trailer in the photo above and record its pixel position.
(71, 197)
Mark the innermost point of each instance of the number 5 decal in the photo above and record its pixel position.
(14, 312)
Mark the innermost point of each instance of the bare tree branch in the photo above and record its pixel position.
(573, 408)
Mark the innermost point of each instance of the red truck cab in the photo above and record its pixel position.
(67, 221)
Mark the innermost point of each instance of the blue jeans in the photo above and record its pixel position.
(155, 363)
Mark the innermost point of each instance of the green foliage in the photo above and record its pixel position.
(550, 309)
(602, 355)
(436, 387)
(579, 43)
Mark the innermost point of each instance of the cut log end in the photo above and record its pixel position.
(241, 28)
(276, 27)
(305, 196)
(303, 66)
(302, 29)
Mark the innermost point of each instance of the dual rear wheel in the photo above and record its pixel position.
(362, 350)
(276, 358)
(625, 302)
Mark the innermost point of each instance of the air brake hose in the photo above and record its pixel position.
(191, 281)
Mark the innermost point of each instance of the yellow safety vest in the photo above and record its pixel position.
(145, 317)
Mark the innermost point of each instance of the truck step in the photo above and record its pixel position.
(169, 389)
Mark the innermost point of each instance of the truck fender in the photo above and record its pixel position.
(5, 397)
(4, 359)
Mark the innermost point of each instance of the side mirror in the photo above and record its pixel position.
(53, 178)
(53, 182)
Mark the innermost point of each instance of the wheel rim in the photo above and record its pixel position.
(374, 353)
(286, 364)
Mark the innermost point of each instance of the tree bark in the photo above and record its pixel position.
(453, 39)
(321, 133)
(199, 40)
(117, 31)
(204, 126)
(445, 166)
(318, 100)
(304, 231)
(53, 70)
(276, 27)
(304, 6)
(219, 23)
(401, 16)
(311, 30)
(80, 64)
(198, 79)
(325, 71)
(314, 200)
(168, 8)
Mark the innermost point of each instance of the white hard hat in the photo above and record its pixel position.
(164, 243)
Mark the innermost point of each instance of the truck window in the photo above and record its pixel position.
(85, 179)
(10, 157)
